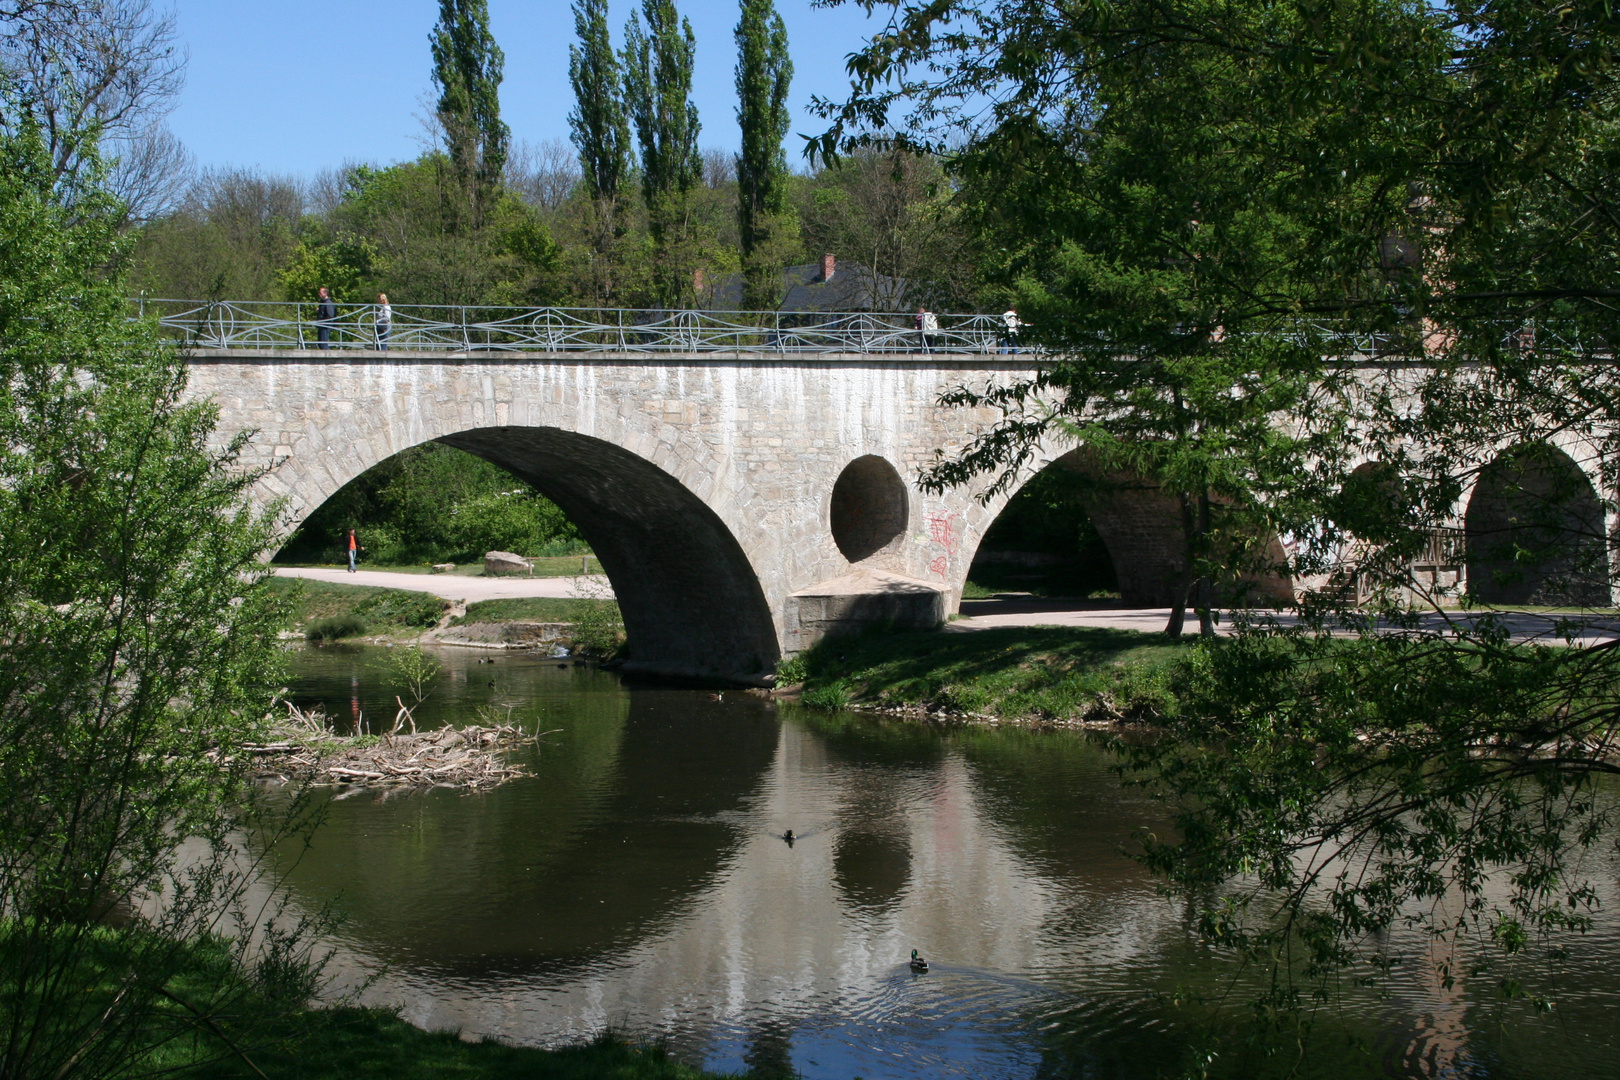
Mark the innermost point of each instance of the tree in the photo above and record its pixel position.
(467, 69)
(764, 72)
(97, 75)
(600, 131)
(1207, 212)
(137, 653)
(657, 90)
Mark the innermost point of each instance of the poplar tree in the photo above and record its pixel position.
(763, 74)
(601, 133)
(467, 66)
(658, 90)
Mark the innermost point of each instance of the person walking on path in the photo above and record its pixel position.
(1009, 330)
(354, 546)
(384, 322)
(325, 316)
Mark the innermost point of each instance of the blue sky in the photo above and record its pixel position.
(296, 86)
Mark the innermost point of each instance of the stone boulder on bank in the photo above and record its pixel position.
(504, 562)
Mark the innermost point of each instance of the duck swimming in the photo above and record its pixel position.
(918, 964)
(788, 836)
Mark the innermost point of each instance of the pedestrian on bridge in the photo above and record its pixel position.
(384, 321)
(1010, 325)
(325, 316)
(927, 328)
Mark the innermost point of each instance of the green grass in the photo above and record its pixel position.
(343, 1044)
(320, 603)
(530, 609)
(1030, 673)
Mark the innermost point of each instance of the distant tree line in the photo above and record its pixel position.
(633, 214)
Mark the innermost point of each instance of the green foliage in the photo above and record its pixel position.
(1210, 214)
(335, 628)
(467, 69)
(764, 73)
(312, 602)
(137, 651)
(657, 93)
(433, 503)
(535, 609)
(413, 670)
(598, 629)
(343, 265)
(1330, 788)
(600, 131)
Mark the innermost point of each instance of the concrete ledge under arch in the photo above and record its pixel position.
(691, 601)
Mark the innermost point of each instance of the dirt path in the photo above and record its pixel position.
(450, 586)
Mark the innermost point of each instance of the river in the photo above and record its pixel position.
(639, 881)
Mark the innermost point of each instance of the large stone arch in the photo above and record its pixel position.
(691, 601)
(1535, 530)
(738, 447)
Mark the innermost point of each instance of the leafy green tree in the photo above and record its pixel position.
(600, 131)
(137, 655)
(467, 69)
(764, 72)
(658, 91)
(1210, 213)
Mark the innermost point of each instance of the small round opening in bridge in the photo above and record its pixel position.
(868, 507)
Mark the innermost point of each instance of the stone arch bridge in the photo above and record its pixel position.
(741, 504)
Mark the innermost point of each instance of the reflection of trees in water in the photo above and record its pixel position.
(620, 826)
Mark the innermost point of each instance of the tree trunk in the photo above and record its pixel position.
(1184, 582)
(1206, 587)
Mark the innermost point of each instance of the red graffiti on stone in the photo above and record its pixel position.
(942, 531)
(938, 566)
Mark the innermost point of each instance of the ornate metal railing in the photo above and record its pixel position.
(268, 325)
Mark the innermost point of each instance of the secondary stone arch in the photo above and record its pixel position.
(1140, 526)
(690, 598)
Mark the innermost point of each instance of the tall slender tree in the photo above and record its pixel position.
(467, 69)
(658, 92)
(763, 74)
(601, 133)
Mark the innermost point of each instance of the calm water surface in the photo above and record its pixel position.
(639, 880)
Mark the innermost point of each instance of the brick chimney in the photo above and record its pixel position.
(828, 265)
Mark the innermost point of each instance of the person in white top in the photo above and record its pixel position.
(1009, 332)
(927, 328)
(384, 322)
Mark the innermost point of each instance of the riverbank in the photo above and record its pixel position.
(345, 1043)
(1054, 676)
(331, 611)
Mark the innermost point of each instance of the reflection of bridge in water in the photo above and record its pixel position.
(746, 498)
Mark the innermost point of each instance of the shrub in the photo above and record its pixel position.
(335, 628)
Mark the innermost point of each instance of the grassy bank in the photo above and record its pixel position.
(341, 1044)
(533, 609)
(322, 609)
(1049, 674)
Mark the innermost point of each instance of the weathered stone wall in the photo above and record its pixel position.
(703, 482)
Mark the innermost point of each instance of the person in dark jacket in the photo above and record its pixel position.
(325, 316)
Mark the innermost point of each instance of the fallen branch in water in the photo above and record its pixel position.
(470, 758)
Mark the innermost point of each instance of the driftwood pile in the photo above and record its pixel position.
(468, 758)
